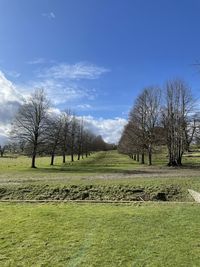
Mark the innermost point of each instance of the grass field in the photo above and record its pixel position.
(102, 176)
(161, 233)
(99, 235)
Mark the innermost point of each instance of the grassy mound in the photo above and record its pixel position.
(96, 192)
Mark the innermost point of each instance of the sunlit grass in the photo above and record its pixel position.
(110, 161)
(104, 171)
(99, 235)
(101, 162)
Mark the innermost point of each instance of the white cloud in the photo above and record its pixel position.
(54, 111)
(8, 92)
(10, 100)
(62, 86)
(50, 15)
(4, 132)
(37, 61)
(84, 106)
(76, 71)
(109, 129)
(13, 74)
(63, 82)
(59, 91)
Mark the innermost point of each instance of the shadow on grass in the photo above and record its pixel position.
(9, 157)
(95, 170)
(194, 166)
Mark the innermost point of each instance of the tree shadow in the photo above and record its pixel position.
(9, 157)
(190, 166)
(86, 169)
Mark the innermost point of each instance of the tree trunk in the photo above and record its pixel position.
(33, 160)
(142, 160)
(187, 147)
(134, 157)
(52, 159)
(72, 157)
(150, 155)
(150, 158)
(138, 157)
(172, 163)
(79, 155)
(179, 161)
(64, 158)
(175, 162)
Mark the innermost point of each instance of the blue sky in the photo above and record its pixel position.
(96, 55)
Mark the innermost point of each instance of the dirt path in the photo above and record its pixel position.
(97, 202)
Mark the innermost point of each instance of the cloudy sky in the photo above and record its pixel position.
(95, 56)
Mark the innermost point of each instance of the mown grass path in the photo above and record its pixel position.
(105, 162)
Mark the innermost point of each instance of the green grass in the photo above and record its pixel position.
(99, 235)
(100, 162)
(102, 176)
(104, 235)
(18, 169)
(110, 161)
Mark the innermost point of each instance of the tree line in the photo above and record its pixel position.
(36, 130)
(161, 117)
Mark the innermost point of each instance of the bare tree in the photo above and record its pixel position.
(178, 106)
(129, 142)
(144, 119)
(29, 125)
(73, 135)
(53, 135)
(80, 132)
(66, 121)
(97, 143)
(191, 130)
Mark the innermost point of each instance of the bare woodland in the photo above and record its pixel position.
(38, 131)
(161, 117)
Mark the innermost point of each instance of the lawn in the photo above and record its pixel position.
(101, 162)
(102, 176)
(99, 235)
(161, 233)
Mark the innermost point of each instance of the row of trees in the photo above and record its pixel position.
(158, 119)
(37, 130)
